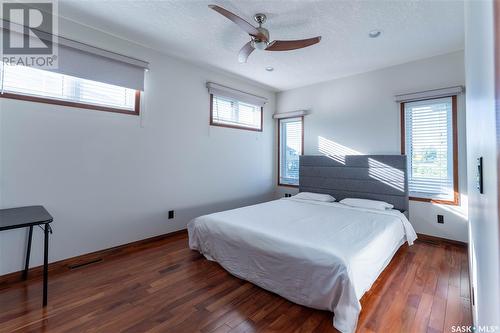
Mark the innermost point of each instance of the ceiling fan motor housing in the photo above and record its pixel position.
(259, 43)
(264, 31)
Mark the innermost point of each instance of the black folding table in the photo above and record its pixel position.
(29, 217)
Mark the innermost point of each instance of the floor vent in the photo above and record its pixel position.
(82, 264)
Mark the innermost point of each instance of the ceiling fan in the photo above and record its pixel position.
(260, 36)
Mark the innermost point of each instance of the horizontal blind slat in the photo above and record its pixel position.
(232, 112)
(30, 81)
(428, 135)
(290, 149)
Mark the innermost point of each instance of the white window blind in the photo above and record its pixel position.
(40, 83)
(230, 93)
(86, 61)
(231, 112)
(429, 147)
(290, 150)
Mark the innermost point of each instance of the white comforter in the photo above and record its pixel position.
(321, 255)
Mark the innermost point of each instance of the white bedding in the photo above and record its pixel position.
(318, 254)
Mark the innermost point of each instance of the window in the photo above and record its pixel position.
(291, 146)
(429, 133)
(229, 112)
(27, 83)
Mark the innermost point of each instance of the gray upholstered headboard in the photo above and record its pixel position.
(376, 177)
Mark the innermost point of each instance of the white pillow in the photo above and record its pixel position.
(365, 203)
(314, 197)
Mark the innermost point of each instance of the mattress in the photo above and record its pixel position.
(317, 254)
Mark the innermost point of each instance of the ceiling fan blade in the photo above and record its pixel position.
(287, 45)
(245, 52)
(250, 29)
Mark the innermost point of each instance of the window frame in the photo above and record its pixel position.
(279, 149)
(82, 105)
(212, 123)
(454, 126)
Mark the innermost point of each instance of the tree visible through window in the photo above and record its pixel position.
(430, 144)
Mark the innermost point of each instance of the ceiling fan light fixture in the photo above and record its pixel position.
(259, 45)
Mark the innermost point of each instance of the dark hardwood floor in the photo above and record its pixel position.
(163, 286)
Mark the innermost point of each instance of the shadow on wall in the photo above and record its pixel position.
(457, 210)
(379, 171)
(186, 214)
(335, 150)
(386, 174)
(394, 178)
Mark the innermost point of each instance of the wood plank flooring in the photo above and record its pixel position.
(163, 286)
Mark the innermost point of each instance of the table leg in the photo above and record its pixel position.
(45, 263)
(28, 254)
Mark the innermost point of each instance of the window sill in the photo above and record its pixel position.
(288, 185)
(436, 201)
(237, 127)
(46, 100)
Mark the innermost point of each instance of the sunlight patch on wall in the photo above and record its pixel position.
(459, 211)
(335, 150)
(386, 174)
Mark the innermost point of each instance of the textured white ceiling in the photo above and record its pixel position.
(189, 29)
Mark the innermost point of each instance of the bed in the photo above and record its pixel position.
(324, 255)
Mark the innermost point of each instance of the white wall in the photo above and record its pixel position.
(482, 140)
(107, 180)
(359, 113)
